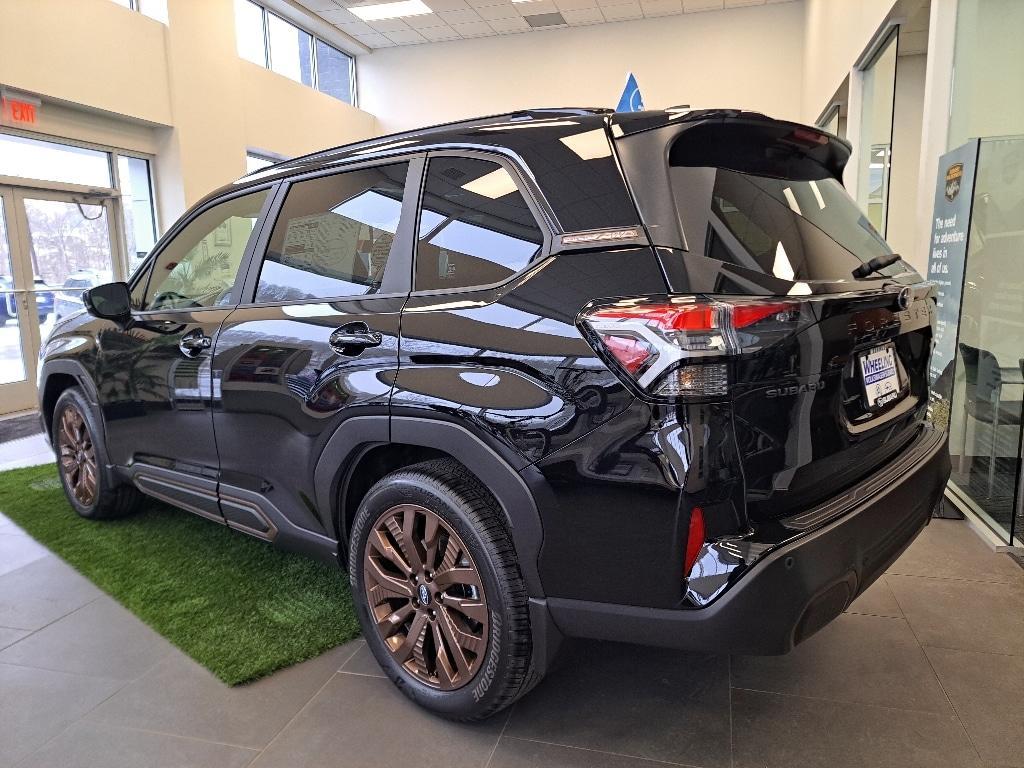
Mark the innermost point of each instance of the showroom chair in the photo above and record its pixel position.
(984, 380)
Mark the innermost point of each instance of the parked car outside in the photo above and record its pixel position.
(647, 377)
(69, 299)
(8, 307)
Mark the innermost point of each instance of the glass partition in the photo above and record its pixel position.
(988, 392)
(875, 150)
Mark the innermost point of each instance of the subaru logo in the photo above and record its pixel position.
(424, 594)
(904, 299)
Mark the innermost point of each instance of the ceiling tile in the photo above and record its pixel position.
(388, 25)
(536, 7)
(473, 29)
(424, 21)
(337, 15)
(446, 5)
(464, 16)
(504, 11)
(741, 3)
(407, 37)
(575, 5)
(505, 26)
(630, 10)
(376, 40)
(652, 8)
(356, 28)
(484, 3)
(437, 34)
(690, 6)
(582, 16)
(318, 5)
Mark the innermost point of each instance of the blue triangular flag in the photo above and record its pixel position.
(631, 100)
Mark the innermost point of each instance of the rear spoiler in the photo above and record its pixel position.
(748, 142)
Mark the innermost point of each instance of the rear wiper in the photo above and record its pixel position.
(876, 264)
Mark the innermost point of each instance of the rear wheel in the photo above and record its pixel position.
(81, 459)
(441, 599)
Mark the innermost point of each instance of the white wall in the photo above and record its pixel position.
(906, 158)
(836, 32)
(743, 57)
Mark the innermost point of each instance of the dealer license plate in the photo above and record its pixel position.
(881, 378)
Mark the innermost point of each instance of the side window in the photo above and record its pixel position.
(199, 266)
(334, 235)
(475, 227)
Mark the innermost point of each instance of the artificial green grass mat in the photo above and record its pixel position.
(236, 605)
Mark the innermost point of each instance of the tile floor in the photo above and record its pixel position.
(925, 669)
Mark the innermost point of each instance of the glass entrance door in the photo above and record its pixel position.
(53, 245)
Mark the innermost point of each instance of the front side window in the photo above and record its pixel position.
(334, 235)
(199, 266)
(475, 227)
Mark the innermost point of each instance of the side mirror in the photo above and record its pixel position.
(110, 301)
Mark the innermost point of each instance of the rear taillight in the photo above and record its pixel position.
(684, 347)
(694, 539)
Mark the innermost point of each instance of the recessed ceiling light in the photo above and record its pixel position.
(397, 10)
(493, 185)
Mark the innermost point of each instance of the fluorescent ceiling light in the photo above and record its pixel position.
(588, 145)
(493, 185)
(397, 10)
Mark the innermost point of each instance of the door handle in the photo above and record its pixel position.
(194, 342)
(352, 338)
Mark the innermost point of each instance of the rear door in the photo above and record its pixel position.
(315, 342)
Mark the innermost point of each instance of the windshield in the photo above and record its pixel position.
(795, 230)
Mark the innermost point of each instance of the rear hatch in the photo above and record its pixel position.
(830, 381)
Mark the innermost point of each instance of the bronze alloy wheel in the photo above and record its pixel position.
(77, 456)
(425, 596)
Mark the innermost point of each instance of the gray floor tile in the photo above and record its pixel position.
(877, 600)
(42, 592)
(987, 691)
(642, 702)
(773, 730)
(971, 615)
(361, 721)
(36, 705)
(180, 697)
(362, 662)
(101, 638)
(519, 753)
(91, 745)
(11, 636)
(949, 549)
(18, 550)
(862, 659)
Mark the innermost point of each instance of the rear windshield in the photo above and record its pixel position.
(808, 229)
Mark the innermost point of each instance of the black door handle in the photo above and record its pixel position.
(352, 338)
(194, 342)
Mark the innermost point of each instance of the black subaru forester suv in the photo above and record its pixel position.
(645, 377)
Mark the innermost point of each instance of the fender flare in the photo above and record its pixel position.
(501, 476)
(85, 381)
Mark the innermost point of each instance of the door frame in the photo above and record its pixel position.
(21, 395)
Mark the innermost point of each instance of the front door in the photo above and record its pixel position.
(153, 374)
(53, 245)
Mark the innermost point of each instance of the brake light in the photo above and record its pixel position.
(682, 347)
(694, 539)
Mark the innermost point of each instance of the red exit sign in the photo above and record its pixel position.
(19, 109)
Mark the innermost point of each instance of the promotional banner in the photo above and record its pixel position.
(951, 224)
(630, 100)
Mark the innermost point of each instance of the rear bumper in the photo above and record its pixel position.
(792, 591)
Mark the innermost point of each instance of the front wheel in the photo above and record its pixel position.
(81, 459)
(439, 592)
